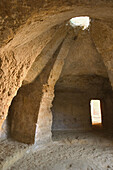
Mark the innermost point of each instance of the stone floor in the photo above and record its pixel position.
(68, 151)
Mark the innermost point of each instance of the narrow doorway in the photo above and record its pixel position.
(96, 116)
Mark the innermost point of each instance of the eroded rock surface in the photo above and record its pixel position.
(27, 27)
(49, 73)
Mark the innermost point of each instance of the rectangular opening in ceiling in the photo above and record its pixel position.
(96, 116)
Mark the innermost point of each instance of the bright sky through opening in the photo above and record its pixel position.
(80, 21)
(95, 112)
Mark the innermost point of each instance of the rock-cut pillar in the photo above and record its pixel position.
(43, 127)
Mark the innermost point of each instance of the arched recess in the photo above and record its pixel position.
(24, 46)
(26, 109)
(13, 70)
(43, 49)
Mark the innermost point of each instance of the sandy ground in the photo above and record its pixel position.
(68, 151)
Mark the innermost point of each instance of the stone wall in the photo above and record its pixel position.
(108, 112)
(71, 107)
(71, 111)
(25, 29)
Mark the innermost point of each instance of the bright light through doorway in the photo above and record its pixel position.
(80, 21)
(96, 116)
